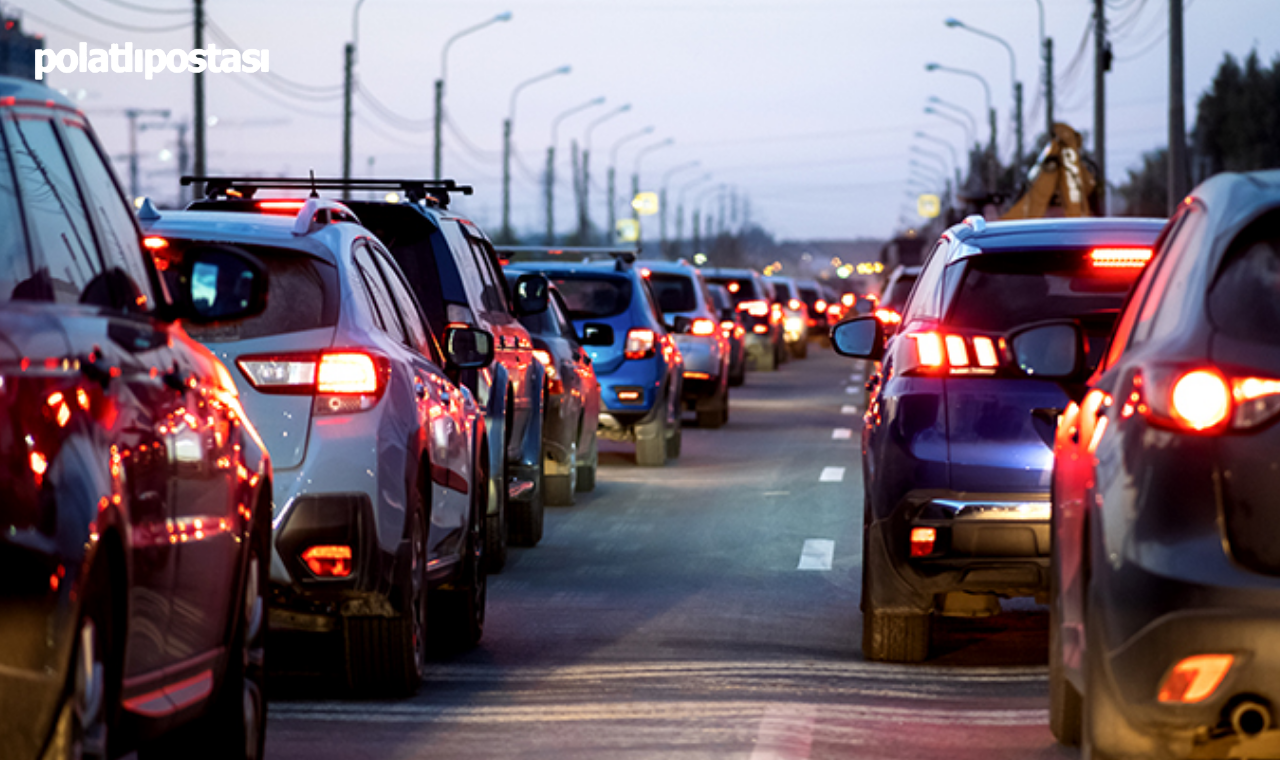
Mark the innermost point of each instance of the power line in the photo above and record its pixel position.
(150, 9)
(125, 27)
(79, 36)
(327, 92)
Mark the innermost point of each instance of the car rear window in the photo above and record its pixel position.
(898, 292)
(1244, 302)
(1002, 291)
(303, 296)
(593, 297)
(740, 288)
(675, 292)
(784, 290)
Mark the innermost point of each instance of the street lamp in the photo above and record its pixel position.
(966, 113)
(680, 208)
(613, 163)
(444, 63)
(662, 202)
(507, 235)
(635, 175)
(954, 23)
(955, 159)
(551, 162)
(584, 200)
(991, 115)
(968, 133)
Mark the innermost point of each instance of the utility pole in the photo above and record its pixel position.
(348, 63)
(549, 192)
(678, 244)
(1048, 86)
(582, 183)
(197, 190)
(439, 118)
(1017, 121)
(1102, 64)
(611, 230)
(1179, 182)
(506, 179)
(132, 115)
(697, 238)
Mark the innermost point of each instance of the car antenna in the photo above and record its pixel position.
(314, 192)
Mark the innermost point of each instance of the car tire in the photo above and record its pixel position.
(675, 433)
(560, 488)
(525, 528)
(1105, 733)
(799, 349)
(235, 724)
(387, 655)
(739, 377)
(767, 360)
(80, 732)
(651, 439)
(714, 412)
(495, 529)
(457, 615)
(891, 637)
(587, 468)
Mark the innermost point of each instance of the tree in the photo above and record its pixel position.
(1144, 194)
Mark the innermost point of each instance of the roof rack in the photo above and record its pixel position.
(415, 190)
(624, 257)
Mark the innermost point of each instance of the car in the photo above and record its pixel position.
(753, 297)
(691, 316)
(1165, 580)
(381, 460)
(896, 290)
(731, 326)
(636, 359)
(453, 270)
(955, 463)
(570, 451)
(795, 316)
(135, 525)
(813, 295)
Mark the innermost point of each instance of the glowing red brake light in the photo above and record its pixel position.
(922, 541)
(1200, 399)
(820, 305)
(1119, 258)
(281, 207)
(640, 344)
(542, 356)
(328, 561)
(847, 299)
(888, 316)
(1195, 678)
(928, 349)
(957, 354)
(984, 350)
(794, 304)
(703, 327)
(153, 243)
(755, 308)
(351, 372)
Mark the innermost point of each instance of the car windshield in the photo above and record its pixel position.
(740, 288)
(593, 297)
(675, 292)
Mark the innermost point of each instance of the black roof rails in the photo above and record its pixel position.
(431, 190)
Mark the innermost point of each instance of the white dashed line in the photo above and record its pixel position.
(852, 389)
(841, 434)
(831, 475)
(817, 554)
(848, 409)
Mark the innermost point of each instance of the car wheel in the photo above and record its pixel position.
(560, 488)
(890, 637)
(739, 377)
(1105, 731)
(235, 725)
(387, 655)
(767, 359)
(459, 615)
(81, 728)
(587, 468)
(675, 433)
(800, 349)
(495, 529)
(527, 516)
(651, 439)
(714, 412)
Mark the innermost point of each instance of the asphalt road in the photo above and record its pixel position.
(706, 609)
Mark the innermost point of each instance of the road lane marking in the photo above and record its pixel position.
(785, 733)
(777, 493)
(848, 409)
(852, 389)
(841, 434)
(816, 554)
(831, 475)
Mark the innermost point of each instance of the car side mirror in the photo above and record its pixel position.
(681, 325)
(467, 347)
(220, 284)
(597, 334)
(1049, 350)
(531, 294)
(860, 338)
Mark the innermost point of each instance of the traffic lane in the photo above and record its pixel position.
(665, 616)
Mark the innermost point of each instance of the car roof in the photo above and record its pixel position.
(668, 267)
(237, 227)
(593, 268)
(1053, 234)
(724, 272)
(25, 89)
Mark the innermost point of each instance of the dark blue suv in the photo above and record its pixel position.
(639, 367)
(956, 447)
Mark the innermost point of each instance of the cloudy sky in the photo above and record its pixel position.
(809, 108)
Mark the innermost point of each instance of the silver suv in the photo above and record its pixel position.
(690, 313)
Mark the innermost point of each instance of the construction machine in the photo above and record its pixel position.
(1059, 184)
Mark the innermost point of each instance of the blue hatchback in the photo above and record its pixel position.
(636, 360)
(956, 444)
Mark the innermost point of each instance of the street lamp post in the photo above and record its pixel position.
(969, 137)
(680, 210)
(551, 163)
(1013, 73)
(438, 165)
(662, 203)
(697, 216)
(584, 200)
(955, 159)
(613, 163)
(956, 108)
(991, 115)
(507, 235)
(635, 177)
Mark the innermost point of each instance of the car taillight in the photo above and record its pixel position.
(728, 326)
(542, 356)
(640, 344)
(1195, 678)
(820, 306)
(794, 304)
(555, 385)
(703, 327)
(760, 329)
(1119, 258)
(888, 316)
(1201, 399)
(281, 207)
(847, 299)
(153, 243)
(933, 352)
(280, 374)
(755, 308)
(341, 381)
(922, 541)
(328, 561)
(352, 372)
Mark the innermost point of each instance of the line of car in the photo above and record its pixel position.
(1084, 411)
(262, 418)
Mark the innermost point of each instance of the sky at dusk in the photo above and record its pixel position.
(808, 108)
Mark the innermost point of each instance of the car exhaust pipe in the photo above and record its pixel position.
(1250, 718)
